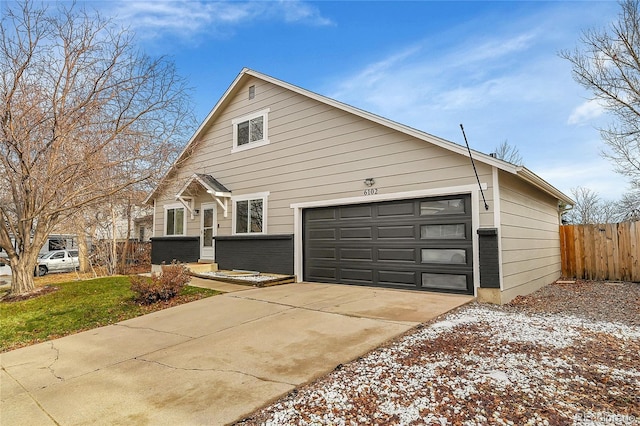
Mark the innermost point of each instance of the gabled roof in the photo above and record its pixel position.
(212, 185)
(247, 73)
(209, 183)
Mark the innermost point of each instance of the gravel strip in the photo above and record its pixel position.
(567, 354)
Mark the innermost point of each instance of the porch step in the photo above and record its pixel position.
(202, 267)
(236, 277)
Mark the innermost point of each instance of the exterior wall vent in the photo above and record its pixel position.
(252, 92)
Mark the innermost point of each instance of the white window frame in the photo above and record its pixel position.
(265, 130)
(256, 196)
(168, 207)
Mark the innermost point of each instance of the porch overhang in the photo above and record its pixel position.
(218, 192)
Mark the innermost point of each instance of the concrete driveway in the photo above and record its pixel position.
(207, 362)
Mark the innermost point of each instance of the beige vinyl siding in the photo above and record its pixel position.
(316, 152)
(529, 237)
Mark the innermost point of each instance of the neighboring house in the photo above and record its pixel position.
(117, 228)
(53, 242)
(281, 179)
(143, 228)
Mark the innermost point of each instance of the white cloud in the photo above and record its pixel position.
(585, 113)
(373, 74)
(297, 11)
(187, 19)
(490, 50)
(595, 174)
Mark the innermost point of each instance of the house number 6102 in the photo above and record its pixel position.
(371, 191)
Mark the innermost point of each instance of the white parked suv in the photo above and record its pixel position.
(58, 261)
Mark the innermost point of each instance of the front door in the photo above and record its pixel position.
(208, 224)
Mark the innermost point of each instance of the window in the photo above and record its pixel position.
(250, 131)
(250, 214)
(439, 207)
(56, 244)
(444, 256)
(444, 281)
(443, 232)
(174, 219)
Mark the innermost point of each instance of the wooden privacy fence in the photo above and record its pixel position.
(601, 252)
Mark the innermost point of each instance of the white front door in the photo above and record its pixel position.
(208, 225)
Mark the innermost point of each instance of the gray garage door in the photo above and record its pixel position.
(417, 244)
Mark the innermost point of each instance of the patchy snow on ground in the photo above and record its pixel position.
(481, 365)
(253, 278)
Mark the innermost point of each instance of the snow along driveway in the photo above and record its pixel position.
(484, 364)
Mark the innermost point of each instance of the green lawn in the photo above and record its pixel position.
(77, 306)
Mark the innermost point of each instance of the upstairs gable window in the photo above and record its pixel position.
(250, 131)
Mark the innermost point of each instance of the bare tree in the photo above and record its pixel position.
(608, 65)
(84, 115)
(629, 205)
(508, 153)
(590, 208)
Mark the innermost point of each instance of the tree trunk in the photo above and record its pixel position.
(83, 233)
(22, 275)
(125, 247)
(114, 242)
(83, 252)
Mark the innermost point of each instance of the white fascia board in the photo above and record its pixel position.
(535, 180)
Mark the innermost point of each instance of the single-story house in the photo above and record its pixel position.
(280, 179)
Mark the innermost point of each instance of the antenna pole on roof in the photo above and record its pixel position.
(486, 206)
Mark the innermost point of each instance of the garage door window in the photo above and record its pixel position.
(443, 231)
(444, 281)
(441, 207)
(451, 256)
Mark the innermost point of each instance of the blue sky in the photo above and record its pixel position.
(493, 66)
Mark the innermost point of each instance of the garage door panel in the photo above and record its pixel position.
(397, 232)
(319, 273)
(397, 278)
(423, 244)
(320, 214)
(361, 233)
(397, 254)
(347, 254)
(328, 253)
(354, 212)
(328, 234)
(354, 274)
(397, 209)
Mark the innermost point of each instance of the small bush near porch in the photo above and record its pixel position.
(70, 307)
